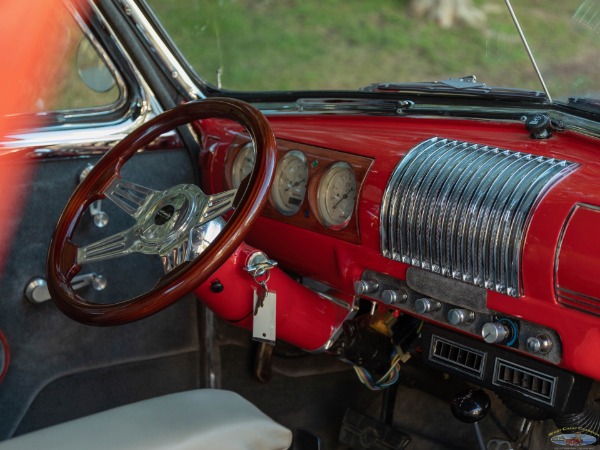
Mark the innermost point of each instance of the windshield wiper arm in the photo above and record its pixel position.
(457, 86)
(528, 49)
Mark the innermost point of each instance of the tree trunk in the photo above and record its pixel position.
(448, 13)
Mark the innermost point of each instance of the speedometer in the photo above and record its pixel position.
(242, 164)
(336, 195)
(289, 184)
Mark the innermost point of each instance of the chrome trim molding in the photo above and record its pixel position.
(338, 329)
(104, 56)
(177, 71)
(461, 209)
(349, 308)
(396, 108)
(60, 140)
(568, 297)
(577, 300)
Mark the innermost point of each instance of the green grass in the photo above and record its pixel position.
(345, 44)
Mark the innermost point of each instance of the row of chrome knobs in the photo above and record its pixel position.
(388, 296)
(491, 332)
(456, 316)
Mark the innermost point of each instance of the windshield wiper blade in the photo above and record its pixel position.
(585, 103)
(457, 86)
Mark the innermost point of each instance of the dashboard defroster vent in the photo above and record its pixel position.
(461, 210)
(528, 382)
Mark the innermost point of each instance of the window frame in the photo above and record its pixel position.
(106, 123)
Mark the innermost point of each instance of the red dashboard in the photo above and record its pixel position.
(558, 290)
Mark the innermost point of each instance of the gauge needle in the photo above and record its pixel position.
(293, 185)
(344, 197)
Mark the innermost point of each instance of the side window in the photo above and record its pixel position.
(80, 78)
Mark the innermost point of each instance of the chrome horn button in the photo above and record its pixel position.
(176, 224)
(164, 214)
(170, 217)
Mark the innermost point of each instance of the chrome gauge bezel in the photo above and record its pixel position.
(238, 171)
(282, 182)
(327, 201)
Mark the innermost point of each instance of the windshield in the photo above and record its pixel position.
(274, 45)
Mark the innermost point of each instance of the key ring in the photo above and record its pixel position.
(265, 279)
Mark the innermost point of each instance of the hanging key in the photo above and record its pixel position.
(263, 323)
(261, 293)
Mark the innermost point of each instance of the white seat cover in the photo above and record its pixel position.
(200, 419)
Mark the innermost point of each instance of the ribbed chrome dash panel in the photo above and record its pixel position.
(461, 209)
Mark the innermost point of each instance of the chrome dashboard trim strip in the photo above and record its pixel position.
(395, 108)
(461, 210)
(568, 297)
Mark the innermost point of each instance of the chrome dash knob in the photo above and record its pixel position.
(390, 296)
(456, 316)
(362, 287)
(541, 344)
(426, 305)
(494, 333)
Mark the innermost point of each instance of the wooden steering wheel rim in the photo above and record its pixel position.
(61, 266)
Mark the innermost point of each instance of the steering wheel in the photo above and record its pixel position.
(168, 223)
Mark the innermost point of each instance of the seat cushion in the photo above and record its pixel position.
(199, 419)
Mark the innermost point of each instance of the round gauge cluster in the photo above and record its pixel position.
(336, 195)
(289, 183)
(242, 164)
(332, 190)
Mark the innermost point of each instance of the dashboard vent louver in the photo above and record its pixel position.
(528, 382)
(457, 356)
(461, 209)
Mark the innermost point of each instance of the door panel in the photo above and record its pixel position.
(59, 368)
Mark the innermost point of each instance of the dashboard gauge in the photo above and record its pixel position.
(289, 184)
(242, 164)
(336, 195)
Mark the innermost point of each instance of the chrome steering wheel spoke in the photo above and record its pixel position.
(199, 238)
(118, 244)
(217, 205)
(176, 224)
(205, 228)
(175, 257)
(130, 197)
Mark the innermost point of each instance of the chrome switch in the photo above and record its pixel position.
(362, 287)
(495, 333)
(456, 316)
(539, 344)
(426, 305)
(390, 296)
